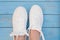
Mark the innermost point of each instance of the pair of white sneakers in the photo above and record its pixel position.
(19, 21)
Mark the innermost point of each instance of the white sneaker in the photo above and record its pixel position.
(19, 21)
(36, 19)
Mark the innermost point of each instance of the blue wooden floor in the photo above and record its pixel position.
(51, 11)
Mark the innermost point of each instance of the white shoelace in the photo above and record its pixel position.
(40, 32)
(42, 35)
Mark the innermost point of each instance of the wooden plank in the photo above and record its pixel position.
(47, 7)
(49, 21)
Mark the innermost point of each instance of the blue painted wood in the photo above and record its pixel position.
(5, 34)
(5, 20)
(29, 0)
(52, 33)
(49, 21)
(47, 7)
